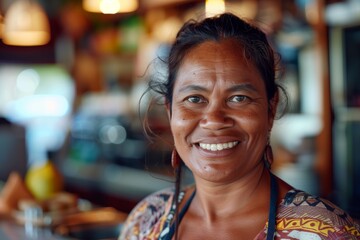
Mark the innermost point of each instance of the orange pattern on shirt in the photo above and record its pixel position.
(307, 224)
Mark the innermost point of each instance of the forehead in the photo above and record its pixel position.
(226, 48)
(226, 57)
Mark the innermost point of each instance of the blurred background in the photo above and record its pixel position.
(72, 73)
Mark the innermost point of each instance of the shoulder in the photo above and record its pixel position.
(303, 213)
(148, 214)
(155, 202)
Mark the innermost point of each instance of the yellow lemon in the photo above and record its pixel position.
(44, 180)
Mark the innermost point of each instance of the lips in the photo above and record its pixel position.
(218, 146)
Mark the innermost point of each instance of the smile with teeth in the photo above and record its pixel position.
(218, 146)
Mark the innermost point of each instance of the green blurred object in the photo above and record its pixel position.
(130, 32)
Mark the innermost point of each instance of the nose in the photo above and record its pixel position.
(215, 117)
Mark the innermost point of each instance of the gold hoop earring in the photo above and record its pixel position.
(175, 159)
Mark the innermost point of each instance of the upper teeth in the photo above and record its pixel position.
(218, 146)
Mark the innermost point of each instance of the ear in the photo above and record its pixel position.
(272, 108)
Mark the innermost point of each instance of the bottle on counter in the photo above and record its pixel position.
(43, 179)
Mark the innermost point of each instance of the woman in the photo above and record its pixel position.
(221, 100)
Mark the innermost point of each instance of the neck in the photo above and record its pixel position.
(242, 196)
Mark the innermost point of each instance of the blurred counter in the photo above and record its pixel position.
(114, 185)
(10, 230)
(96, 224)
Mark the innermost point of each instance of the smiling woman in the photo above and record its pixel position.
(221, 98)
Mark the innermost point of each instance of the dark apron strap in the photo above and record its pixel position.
(181, 215)
(273, 205)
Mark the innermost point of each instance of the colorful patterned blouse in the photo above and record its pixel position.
(299, 216)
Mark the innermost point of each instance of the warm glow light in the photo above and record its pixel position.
(110, 6)
(26, 24)
(214, 7)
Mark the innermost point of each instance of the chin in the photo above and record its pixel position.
(214, 173)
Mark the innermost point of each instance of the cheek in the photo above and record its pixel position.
(255, 125)
(182, 124)
(182, 118)
(258, 119)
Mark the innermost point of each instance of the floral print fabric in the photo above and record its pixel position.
(299, 216)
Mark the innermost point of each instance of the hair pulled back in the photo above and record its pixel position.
(225, 26)
(251, 41)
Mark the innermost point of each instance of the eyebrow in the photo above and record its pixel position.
(233, 88)
(192, 87)
(242, 86)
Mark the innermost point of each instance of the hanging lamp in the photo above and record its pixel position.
(110, 6)
(26, 24)
(214, 7)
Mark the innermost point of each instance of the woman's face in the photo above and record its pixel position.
(220, 118)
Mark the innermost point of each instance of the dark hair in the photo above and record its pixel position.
(256, 49)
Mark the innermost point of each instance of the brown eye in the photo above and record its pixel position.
(195, 99)
(238, 98)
